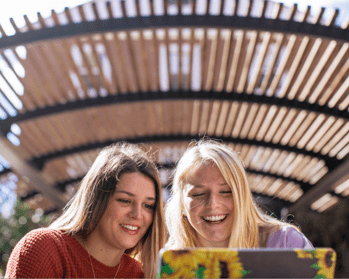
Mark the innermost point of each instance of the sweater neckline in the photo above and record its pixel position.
(96, 263)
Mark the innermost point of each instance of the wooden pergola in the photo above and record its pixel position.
(268, 80)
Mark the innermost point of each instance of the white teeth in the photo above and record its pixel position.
(132, 228)
(215, 218)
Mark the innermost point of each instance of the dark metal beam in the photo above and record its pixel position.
(61, 185)
(39, 162)
(5, 125)
(29, 195)
(5, 171)
(325, 185)
(177, 21)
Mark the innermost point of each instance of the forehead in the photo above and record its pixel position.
(137, 184)
(205, 175)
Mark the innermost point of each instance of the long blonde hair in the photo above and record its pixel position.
(250, 226)
(85, 210)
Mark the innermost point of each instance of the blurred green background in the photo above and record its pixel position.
(14, 227)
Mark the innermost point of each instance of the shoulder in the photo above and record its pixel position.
(40, 236)
(131, 268)
(288, 237)
(36, 249)
(40, 242)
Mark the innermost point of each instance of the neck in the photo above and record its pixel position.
(206, 243)
(103, 253)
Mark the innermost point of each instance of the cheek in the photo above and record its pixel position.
(229, 203)
(192, 205)
(149, 217)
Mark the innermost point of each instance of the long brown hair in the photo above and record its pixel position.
(85, 210)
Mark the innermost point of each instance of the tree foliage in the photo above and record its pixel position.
(12, 229)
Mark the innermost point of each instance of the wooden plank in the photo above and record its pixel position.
(236, 50)
(264, 127)
(256, 75)
(140, 59)
(335, 139)
(326, 184)
(186, 57)
(330, 73)
(234, 110)
(188, 107)
(335, 84)
(224, 42)
(174, 54)
(294, 127)
(194, 129)
(310, 132)
(212, 124)
(258, 121)
(28, 102)
(249, 119)
(286, 122)
(222, 119)
(302, 129)
(33, 83)
(209, 58)
(48, 63)
(240, 119)
(152, 65)
(308, 67)
(129, 68)
(206, 107)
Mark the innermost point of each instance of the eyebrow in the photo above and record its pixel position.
(132, 195)
(200, 186)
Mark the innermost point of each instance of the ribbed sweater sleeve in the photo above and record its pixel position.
(47, 253)
(35, 256)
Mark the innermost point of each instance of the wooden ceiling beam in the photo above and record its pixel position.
(323, 186)
(30, 173)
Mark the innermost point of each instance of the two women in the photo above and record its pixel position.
(115, 216)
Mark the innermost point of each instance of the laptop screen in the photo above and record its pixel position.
(247, 263)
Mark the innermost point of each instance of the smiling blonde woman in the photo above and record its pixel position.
(212, 205)
(115, 218)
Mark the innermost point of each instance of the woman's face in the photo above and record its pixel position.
(208, 204)
(129, 212)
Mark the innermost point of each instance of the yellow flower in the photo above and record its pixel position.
(304, 254)
(326, 262)
(190, 259)
(226, 265)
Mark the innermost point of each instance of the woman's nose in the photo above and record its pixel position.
(213, 200)
(136, 211)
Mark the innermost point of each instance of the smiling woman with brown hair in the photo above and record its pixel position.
(115, 217)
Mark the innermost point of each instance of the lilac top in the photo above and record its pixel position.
(288, 237)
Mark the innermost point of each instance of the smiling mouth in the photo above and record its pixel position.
(215, 219)
(130, 228)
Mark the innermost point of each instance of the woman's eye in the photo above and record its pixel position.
(198, 195)
(149, 206)
(226, 192)
(123, 201)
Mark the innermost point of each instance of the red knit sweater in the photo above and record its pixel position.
(53, 254)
